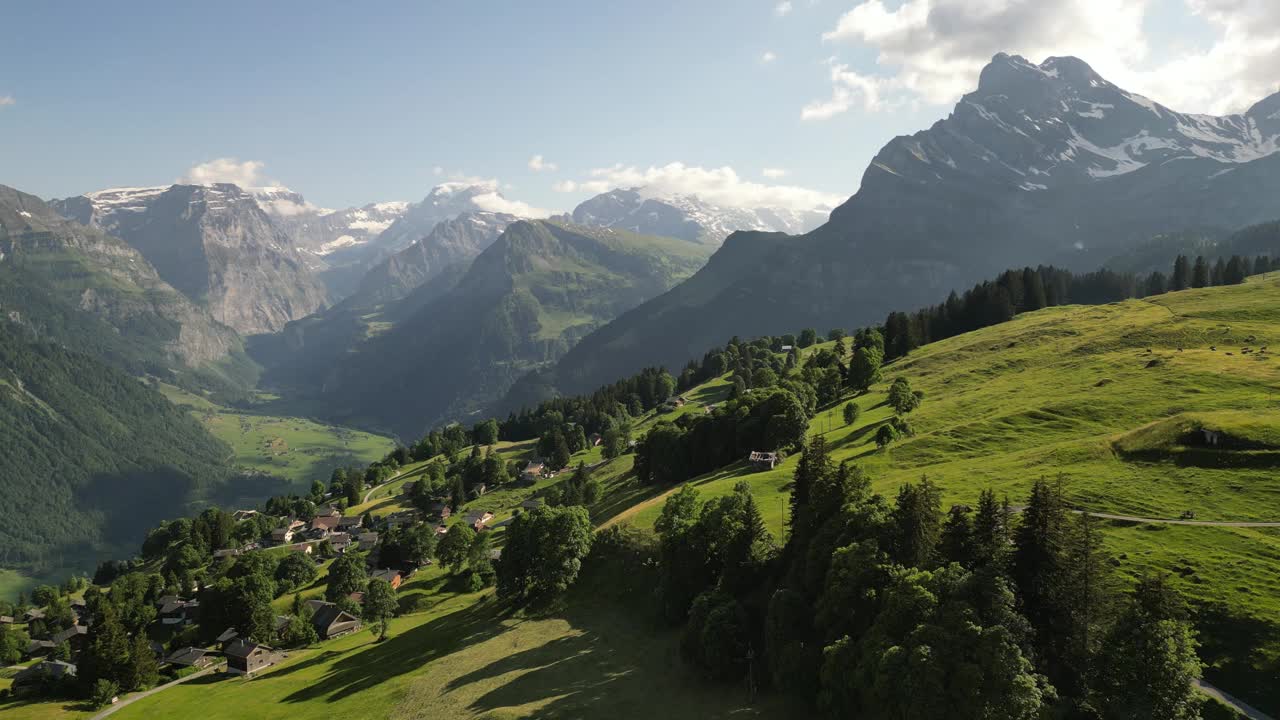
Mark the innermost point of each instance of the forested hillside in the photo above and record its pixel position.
(89, 457)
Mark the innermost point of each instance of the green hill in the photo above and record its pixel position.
(90, 458)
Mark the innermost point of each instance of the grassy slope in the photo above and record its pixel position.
(296, 449)
(1053, 393)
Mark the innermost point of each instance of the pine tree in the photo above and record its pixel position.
(1085, 600)
(1181, 274)
(957, 537)
(1156, 284)
(990, 532)
(1218, 276)
(917, 524)
(1200, 273)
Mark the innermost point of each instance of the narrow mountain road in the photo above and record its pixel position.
(1241, 706)
(134, 698)
(376, 488)
(1203, 523)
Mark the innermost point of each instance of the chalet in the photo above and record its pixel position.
(391, 576)
(282, 535)
(478, 519)
(6, 620)
(402, 518)
(40, 648)
(75, 636)
(34, 677)
(227, 637)
(243, 515)
(246, 658)
(331, 621)
(532, 471)
(440, 510)
(532, 504)
(191, 657)
(173, 610)
(78, 605)
(33, 614)
(367, 540)
(348, 523)
(281, 623)
(594, 439)
(325, 523)
(295, 524)
(356, 597)
(763, 460)
(340, 542)
(329, 511)
(304, 548)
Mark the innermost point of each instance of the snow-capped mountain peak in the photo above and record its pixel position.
(649, 212)
(1059, 122)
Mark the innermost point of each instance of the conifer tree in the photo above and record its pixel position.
(1200, 273)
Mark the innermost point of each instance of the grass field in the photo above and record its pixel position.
(296, 449)
(1101, 396)
(464, 658)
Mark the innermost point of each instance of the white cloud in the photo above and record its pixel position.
(720, 186)
(849, 88)
(783, 8)
(774, 173)
(246, 174)
(493, 202)
(933, 50)
(538, 164)
(6, 100)
(565, 186)
(768, 57)
(437, 171)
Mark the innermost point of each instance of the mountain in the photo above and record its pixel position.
(90, 458)
(521, 304)
(306, 350)
(452, 241)
(77, 286)
(1046, 163)
(688, 217)
(215, 244)
(330, 240)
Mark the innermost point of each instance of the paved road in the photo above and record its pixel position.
(1241, 706)
(138, 696)
(379, 486)
(1205, 523)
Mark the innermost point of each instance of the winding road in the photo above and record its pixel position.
(1241, 706)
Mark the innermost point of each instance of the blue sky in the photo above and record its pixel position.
(350, 104)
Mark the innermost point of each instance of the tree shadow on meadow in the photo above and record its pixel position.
(373, 663)
(1242, 655)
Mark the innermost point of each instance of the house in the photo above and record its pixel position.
(326, 523)
(191, 657)
(787, 348)
(356, 597)
(330, 511)
(227, 637)
(281, 623)
(227, 552)
(763, 460)
(367, 540)
(594, 439)
(6, 620)
(348, 523)
(404, 517)
(295, 524)
(246, 658)
(243, 515)
(40, 648)
(33, 614)
(532, 504)
(391, 576)
(478, 519)
(282, 535)
(37, 675)
(304, 548)
(442, 529)
(532, 471)
(76, 636)
(440, 510)
(331, 621)
(174, 610)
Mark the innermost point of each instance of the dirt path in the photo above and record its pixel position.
(1240, 706)
(138, 696)
(1204, 523)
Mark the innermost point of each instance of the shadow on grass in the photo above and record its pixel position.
(626, 493)
(373, 663)
(1242, 656)
(611, 664)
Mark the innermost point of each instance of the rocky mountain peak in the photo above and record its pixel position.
(648, 211)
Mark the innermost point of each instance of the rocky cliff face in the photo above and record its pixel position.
(215, 244)
(56, 267)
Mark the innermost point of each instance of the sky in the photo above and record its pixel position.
(747, 102)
